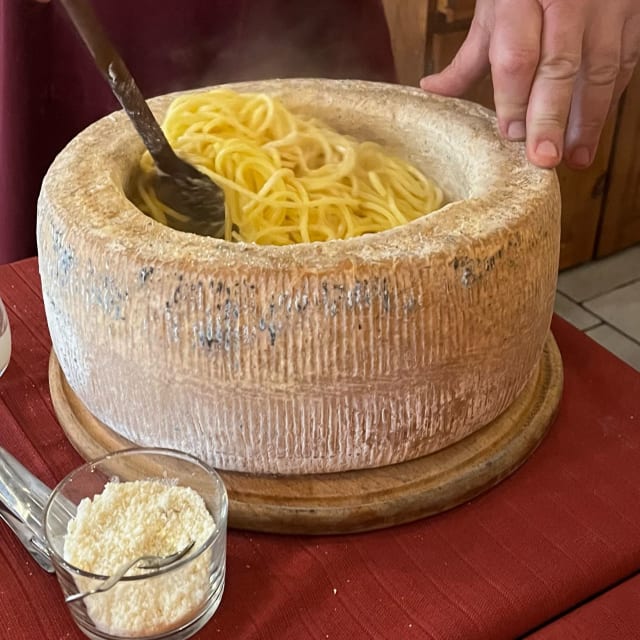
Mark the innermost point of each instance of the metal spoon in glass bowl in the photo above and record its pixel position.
(178, 184)
(149, 563)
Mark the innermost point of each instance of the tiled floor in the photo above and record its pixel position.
(602, 298)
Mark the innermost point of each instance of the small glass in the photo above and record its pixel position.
(186, 593)
(5, 339)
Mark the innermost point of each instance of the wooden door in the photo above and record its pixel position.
(456, 10)
(621, 214)
(407, 21)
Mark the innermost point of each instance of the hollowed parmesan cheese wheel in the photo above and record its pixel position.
(316, 357)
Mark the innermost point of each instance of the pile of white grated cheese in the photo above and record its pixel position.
(137, 518)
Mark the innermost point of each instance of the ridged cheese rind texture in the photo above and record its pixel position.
(317, 357)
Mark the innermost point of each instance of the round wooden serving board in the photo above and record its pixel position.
(366, 499)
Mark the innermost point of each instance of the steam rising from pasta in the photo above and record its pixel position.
(287, 178)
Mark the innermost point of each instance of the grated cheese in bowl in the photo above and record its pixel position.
(131, 519)
(111, 511)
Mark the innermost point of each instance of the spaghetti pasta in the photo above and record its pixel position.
(286, 178)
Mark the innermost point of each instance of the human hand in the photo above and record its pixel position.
(558, 67)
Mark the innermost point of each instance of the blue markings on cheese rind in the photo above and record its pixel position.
(144, 274)
(228, 314)
(64, 254)
(472, 270)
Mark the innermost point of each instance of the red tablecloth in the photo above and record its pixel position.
(529, 553)
(610, 616)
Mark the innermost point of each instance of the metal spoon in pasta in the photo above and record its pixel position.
(178, 184)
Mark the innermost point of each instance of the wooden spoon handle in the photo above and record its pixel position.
(120, 80)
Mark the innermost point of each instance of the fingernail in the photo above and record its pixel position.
(548, 150)
(581, 157)
(516, 130)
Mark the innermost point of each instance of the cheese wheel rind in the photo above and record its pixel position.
(308, 358)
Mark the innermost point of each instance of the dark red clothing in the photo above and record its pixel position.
(50, 88)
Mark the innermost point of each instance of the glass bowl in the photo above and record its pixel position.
(168, 603)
